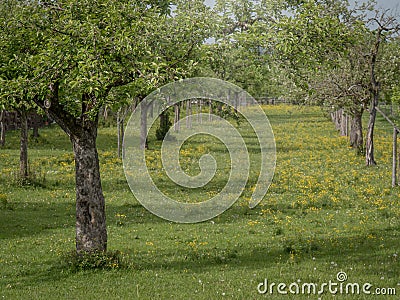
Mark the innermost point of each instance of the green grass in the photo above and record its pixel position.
(324, 213)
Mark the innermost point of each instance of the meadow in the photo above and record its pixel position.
(324, 213)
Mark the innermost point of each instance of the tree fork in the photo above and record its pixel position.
(91, 231)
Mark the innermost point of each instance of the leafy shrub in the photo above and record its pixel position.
(110, 260)
(36, 177)
(3, 201)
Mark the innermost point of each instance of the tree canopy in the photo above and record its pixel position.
(67, 56)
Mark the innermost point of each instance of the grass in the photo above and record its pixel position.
(325, 212)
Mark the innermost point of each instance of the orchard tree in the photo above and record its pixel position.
(22, 107)
(12, 50)
(241, 51)
(386, 26)
(82, 51)
(334, 57)
(392, 75)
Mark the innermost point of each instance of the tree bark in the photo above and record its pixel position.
(343, 123)
(200, 116)
(121, 133)
(23, 157)
(120, 129)
(336, 119)
(91, 232)
(236, 101)
(188, 114)
(177, 116)
(2, 129)
(369, 151)
(143, 124)
(210, 113)
(35, 131)
(119, 148)
(356, 134)
(162, 131)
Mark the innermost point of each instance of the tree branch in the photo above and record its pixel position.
(56, 112)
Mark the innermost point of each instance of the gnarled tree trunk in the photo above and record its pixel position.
(91, 232)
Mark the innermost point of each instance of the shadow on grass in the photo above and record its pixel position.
(36, 274)
(363, 251)
(29, 219)
(345, 250)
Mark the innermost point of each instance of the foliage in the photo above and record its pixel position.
(3, 201)
(89, 48)
(316, 43)
(330, 48)
(242, 51)
(391, 76)
(111, 260)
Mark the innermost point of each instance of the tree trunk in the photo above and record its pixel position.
(375, 87)
(336, 118)
(2, 129)
(162, 131)
(120, 129)
(177, 116)
(143, 124)
(200, 116)
(119, 148)
(343, 123)
(35, 131)
(356, 134)
(188, 114)
(91, 231)
(23, 158)
(219, 109)
(394, 158)
(121, 134)
(236, 101)
(369, 151)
